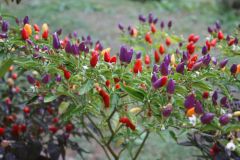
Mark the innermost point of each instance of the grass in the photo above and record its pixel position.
(100, 18)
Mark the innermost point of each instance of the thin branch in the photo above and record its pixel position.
(142, 144)
(95, 138)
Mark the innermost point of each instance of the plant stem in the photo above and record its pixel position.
(142, 144)
(95, 138)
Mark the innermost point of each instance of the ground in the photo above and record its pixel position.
(100, 18)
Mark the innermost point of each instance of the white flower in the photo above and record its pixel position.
(231, 146)
(192, 120)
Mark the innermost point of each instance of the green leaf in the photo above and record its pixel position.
(134, 93)
(4, 67)
(230, 128)
(181, 90)
(173, 135)
(63, 107)
(201, 85)
(50, 98)
(86, 87)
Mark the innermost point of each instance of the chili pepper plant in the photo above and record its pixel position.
(157, 81)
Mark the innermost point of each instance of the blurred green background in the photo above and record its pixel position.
(100, 18)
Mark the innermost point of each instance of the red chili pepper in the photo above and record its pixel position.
(117, 86)
(2, 131)
(214, 42)
(107, 57)
(26, 110)
(137, 66)
(128, 123)
(67, 74)
(205, 95)
(220, 35)
(94, 59)
(36, 28)
(45, 34)
(148, 38)
(69, 127)
(194, 58)
(161, 49)
(190, 65)
(14, 76)
(156, 56)
(55, 120)
(231, 42)
(53, 129)
(164, 80)
(25, 34)
(191, 37)
(208, 44)
(168, 41)
(23, 128)
(147, 59)
(113, 59)
(108, 83)
(153, 28)
(106, 98)
(116, 80)
(15, 130)
(191, 48)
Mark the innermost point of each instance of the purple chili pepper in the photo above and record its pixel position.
(233, 68)
(164, 69)
(26, 20)
(68, 47)
(223, 63)
(154, 77)
(155, 20)
(30, 79)
(142, 18)
(75, 49)
(46, 78)
(125, 55)
(59, 31)
(189, 101)
(207, 118)
(169, 24)
(214, 60)
(197, 66)
(138, 55)
(204, 50)
(155, 68)
(214, 98)
(120, 26)
(206, 59)
(150, 18)
(58, 78)
(210, 30)
(180, 68)
(162, 24)
(5, 26)
(171, 86)
(3, 35)
(56, 42)
(224, 119)
(166, 112)
(199, 108)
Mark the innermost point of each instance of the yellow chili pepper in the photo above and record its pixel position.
(28, 29)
